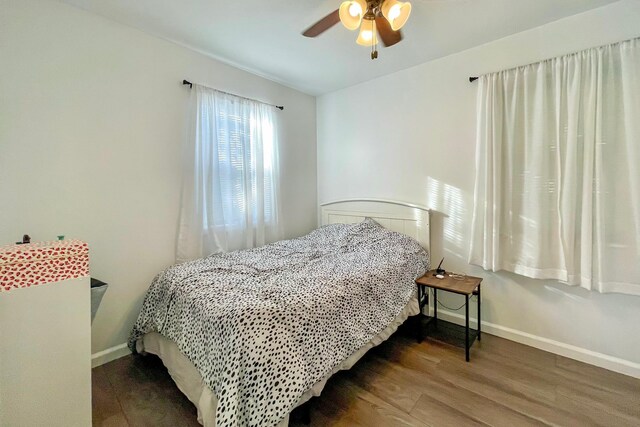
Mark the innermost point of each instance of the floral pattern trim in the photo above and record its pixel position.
(23, 266)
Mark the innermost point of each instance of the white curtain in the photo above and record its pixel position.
(230, 184)
(558, 170)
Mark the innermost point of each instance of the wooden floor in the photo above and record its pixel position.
(403, 383)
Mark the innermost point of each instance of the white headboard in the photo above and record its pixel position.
(406, 218)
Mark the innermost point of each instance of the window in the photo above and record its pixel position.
(557, 180)
(230, 191)
(245, 155)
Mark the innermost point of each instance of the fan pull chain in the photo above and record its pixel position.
(374, 44)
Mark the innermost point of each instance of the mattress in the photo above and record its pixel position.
(192, 385)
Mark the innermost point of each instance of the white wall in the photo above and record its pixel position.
(92, 116)
(411, 136)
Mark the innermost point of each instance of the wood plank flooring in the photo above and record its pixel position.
(403, 383)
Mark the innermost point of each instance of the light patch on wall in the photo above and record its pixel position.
(450, 200)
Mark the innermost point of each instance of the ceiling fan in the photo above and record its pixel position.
(384, 17)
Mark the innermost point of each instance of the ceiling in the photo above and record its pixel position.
(263, 36)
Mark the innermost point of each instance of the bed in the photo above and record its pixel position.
(250, 335)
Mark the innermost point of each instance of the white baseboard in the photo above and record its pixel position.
(106, 356)
(572, 352)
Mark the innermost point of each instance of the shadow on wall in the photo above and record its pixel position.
(450, 222)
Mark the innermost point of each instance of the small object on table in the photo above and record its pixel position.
(25, 240)
(61, 237)
(442, 330)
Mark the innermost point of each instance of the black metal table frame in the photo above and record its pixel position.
(423, 300)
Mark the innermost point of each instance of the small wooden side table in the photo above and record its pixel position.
(442, 330)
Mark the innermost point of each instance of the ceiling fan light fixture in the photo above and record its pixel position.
(396, 12)
(351, 13)
(367, 36)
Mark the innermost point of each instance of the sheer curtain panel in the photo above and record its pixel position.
(558, 170)
(230, 184)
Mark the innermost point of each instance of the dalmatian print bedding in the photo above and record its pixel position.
(263, 325)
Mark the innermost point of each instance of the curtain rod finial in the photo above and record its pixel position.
(472, 79)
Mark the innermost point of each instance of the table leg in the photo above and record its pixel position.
(435, 305)
(466, 328)
(479, 304)
(419, 317)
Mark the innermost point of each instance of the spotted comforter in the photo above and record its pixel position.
(263, 325)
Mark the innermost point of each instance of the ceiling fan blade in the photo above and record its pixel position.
(388, 36)
(323, 25)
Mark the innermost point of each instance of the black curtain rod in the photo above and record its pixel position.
(279, 107)
(473, 79)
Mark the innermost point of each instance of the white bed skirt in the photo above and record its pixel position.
(190, 382)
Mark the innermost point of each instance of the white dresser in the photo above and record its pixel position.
(45, 335)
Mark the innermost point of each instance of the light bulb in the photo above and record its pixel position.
(355, 9)
(367, 36)
(394, 12)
